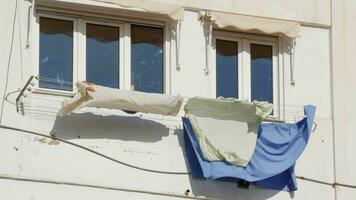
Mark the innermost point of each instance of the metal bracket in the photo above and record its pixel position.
(206, 20)
(19, 103)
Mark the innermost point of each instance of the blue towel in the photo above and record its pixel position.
(272, 164)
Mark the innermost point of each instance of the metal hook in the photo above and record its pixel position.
(314, 128)
(19, 103)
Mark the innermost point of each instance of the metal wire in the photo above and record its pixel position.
(9, 60)
(53, 80)
(149, 170)
(10, 93)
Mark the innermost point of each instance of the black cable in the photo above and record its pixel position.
(95, 152)
(54, 138)
(150, 170)
(326, 183)
(5, 96)
(9, 61)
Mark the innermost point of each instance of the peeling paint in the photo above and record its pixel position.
(53, 142)
(42, 140)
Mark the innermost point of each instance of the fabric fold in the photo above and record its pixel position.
(226, 128)
(272, 164)
(134, 101)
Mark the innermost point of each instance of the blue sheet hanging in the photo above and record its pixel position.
(272, 164)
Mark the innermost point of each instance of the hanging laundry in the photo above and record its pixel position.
(272, 164)
(90, 95)
(226, 128)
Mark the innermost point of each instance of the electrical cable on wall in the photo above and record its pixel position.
(149, 170)
(95, 152)
(20, 42)
(7, 72)
(103, 155)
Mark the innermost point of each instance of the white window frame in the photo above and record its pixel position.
(79, 48)
(82, 46)
(36, 69)
(166, 53)
(244, 65)
(239, 55)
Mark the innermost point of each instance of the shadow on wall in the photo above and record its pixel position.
(91, 126)
(229, 190)
(226, 190)
(132, 128)
(201, 187)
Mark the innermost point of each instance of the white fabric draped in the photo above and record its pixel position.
(104, 97)
(226, 128)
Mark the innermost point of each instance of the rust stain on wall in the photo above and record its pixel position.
(42, 140)
(53, 142)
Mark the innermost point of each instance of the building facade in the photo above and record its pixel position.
(64, 41)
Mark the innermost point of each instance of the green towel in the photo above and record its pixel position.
(226, 128)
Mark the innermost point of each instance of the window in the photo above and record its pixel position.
(261, 73)
(102, 55)
(226, 68)
(147, 59)
(109, 53)
(246, 67)
(56, 54)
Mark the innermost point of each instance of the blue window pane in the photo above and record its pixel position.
(226, 68)
(147, 59)
(102, 58)
(261, 73)
(56, 54)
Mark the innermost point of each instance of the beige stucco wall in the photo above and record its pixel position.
(344, 87)
(307, 11)
(315, 12)
(324, 77)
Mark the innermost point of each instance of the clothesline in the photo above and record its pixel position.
(53, 80)
(49, 79)
(236, 145)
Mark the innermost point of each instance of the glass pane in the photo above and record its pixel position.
(147, 59)
(56, 54)
(261, 73)
(102, 58)
(226, 68)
